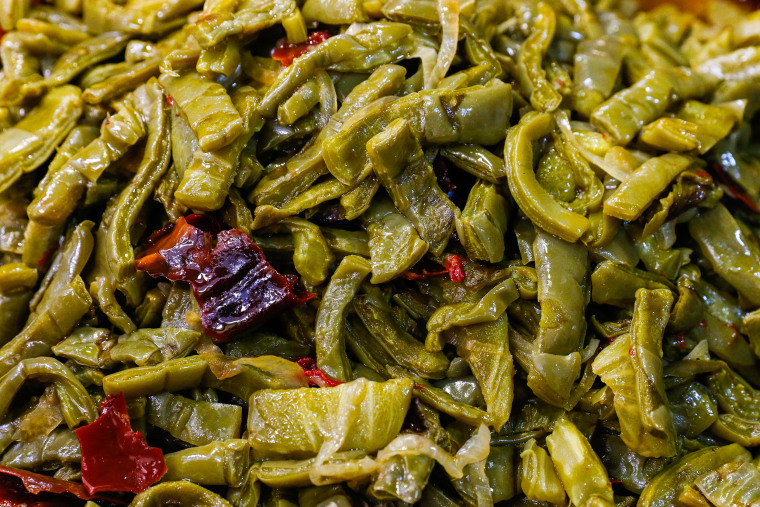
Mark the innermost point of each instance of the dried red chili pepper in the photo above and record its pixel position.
(317, 378)
(115, 458)
(732, 189)
(236, 288)
(285, 52)
(453, 265)
(22, 488)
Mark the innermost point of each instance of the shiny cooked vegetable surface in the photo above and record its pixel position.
(379, 252)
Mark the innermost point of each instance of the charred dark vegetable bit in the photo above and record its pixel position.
(380, 253)
(115, 458)
(234, 285)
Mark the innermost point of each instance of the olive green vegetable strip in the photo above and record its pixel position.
(220, 20)
(641, 188)
(562, 292)
(322, 191)
(533, 199)
(31, 141)
(207, 107)
(174, 375)
(298, 104)
(668, 484)
(400, 165)
(121, 82)
(12, 12)
(543, 96)
(488, 309)
(733, 255)
(60, 447)
(714, 122)
(693, 409)
(737, 429)
(632, 367)
(305, 167)
(730, 484)
(122, 213)
(539, 481)
(216, 464)
(76, 405)
(85, 54)
(578, 466)
(671, 134)
(444, 402)
(597, 65)
(59, 303)
(371, 46)
(208, 178)
(476, 160)
(147, 347)
(85, 346)
(60, 191)
(485, 347)
(743, 63)
(623, 114)
(328, 332)
(17, 282)
(733, 394)
(406, 350)
(483, 223)
(195, 422)
(377, 412)
(105, 15)
(480, 114)
(166, 493)
(394, 244)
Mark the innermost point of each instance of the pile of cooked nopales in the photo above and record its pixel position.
(379, 252)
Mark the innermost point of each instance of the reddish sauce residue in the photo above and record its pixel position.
(285, 52)
(680, 341)
(236, 288)
(733, 189)
(453, 265)
(170, 100)
(316, 376)
(115, 458)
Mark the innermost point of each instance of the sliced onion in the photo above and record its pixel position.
(448, 14)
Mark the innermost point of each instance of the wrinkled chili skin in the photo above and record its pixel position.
(115, 458)
(23, 488)
(234, 285)
(317, 378)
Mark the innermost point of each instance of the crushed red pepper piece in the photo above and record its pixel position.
(285, 52)
(732, 189)
(236, 288)
(115, 458)
(29, 489)
(453, 265)
(317, 378)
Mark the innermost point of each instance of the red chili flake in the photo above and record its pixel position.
(236, 288)
(419, 386)
(560, 82)
(732, 189)
(632, 352)
(28, 489)
(46, 257)
(453, 265)
(285, 52)
(170, 100)
(424, 275)
(703, 174)
(679, 340)
(607, 342)
(115, 458)
(317, 378)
